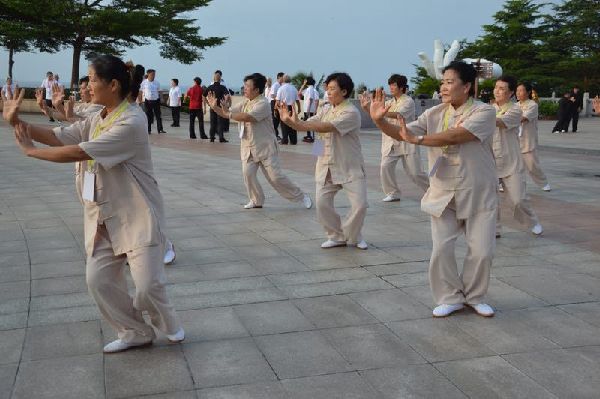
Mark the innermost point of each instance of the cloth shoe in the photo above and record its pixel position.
(333, 244)
(170, 254)
(537, 229)
(482, 309)
(547, 187)
(444, 310)
(390, 198)
(307, 201)
(362, 245)
(251, 205)
(120, 346)
(177, 337)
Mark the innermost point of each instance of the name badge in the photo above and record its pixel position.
(520, 130)
(318, 148)
(242, 129)
(89, 186)
(436, 165)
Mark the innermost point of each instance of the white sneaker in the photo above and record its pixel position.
(390, 198)
(444, 310)
(556, 131)
(563, 131)
(547, 187)
(120, 346)
(307, 201)
(482, 309)
(333, 244)
(251, 205)
(500, 188)
(177, 337)
(537, 229)
(170, 254)
(362, 245)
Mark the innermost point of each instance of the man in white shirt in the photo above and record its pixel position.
(175, 101)
(273, 99)
(150, 90)
(8, 90)
(47, 86)
(310, 96)
(287, 95)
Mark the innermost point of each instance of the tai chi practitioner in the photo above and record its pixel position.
(528, 136)
(507, 152)
(462, 197)
(258, 144)
(340, 164)
(393, 150)
(123, 207)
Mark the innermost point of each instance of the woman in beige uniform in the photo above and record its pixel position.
(258, 144)
(509, 164)
(462, 194)
(340, 163)
(123, 208)
(528, 136)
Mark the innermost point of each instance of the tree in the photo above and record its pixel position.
(424, 84)
(95, 26)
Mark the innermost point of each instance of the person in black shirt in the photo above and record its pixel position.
(565, 110)
(577, 96)
(217, 123)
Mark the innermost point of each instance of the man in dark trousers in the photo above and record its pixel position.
(217, 124)
(577, 97)
(565, 110)
(194, 94)
(150, 89)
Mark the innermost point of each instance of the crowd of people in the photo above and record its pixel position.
(471, 148)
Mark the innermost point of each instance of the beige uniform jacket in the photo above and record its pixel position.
(84, 110)
(529, 129)
(343, 156)
(466, 171)
(259, 141)
(506, 140)
(127, 199)
(390, 147)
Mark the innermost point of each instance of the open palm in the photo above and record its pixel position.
(10, 107)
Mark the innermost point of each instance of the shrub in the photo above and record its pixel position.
(548, 108)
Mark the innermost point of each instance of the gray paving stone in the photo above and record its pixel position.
(334, 258)
(259, 252)
(13, 259)
(558, 290)
(13, 321)
(243, 239)
(391, 305)
(211, 324)
(56, 255)
(11, 306)
(588, 312)
(59, 340)
(272, 318)
(265, 390)
(63, 315)
(56, 286)
(64, 377)
(372, 346)
(14, 290)
(204, 256)
(226, 270)
(491, 377)
(14, 273)
(278, 265)
(61, 269)
(334, 311)
(301, 354)
(319, 276)
(228, 298)
(562, 372)
(170, 395)
(439, 340)
(13, 246)
(503, 296)
(398, 268)
(205, 287)
(61, 301)
(333, 386)
(7, 379)
(11, 344)
(230, 362)
(334, 287)
(408, 279)
(415, 381)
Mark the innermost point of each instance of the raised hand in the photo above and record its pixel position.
(365, 100)
(285, 115)
(10, 107)
(70, 107)
(23, 137)
(211, 99)
(378, 109)
(58, 95)
(403, 131)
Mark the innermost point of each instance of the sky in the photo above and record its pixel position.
(370, 39)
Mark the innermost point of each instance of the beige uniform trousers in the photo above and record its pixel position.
(105, 276)
(532, 163)
(272, 171)
(412, 168)
(349, 231)
(516, 190)
(448, 286)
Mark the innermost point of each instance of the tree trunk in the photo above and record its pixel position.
(77, 47)
(11, 62)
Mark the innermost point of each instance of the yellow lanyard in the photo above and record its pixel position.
(502, 110)
(468, 106)
(248, 104)
(102, 126)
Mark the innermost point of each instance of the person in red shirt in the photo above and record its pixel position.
(194, 94)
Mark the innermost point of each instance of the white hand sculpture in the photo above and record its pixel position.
(434, 69)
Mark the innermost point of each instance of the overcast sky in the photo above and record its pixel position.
(368, 39)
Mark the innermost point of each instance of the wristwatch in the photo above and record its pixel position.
(420, 139)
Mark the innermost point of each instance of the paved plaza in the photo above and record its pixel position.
(268, 314)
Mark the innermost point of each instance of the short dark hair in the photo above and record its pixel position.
(576, 86)
(258, 80)
(176, 81)
(197, 80)
(466, 73)
(149, 71)
(83, 79)
(511, 80)
(219, 72)
(343, 80)
(129, 76)
(400, 80)
(49, 73)
(310, 80)
(280, 74)
(528, 88)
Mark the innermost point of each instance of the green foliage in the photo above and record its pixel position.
(548, 108)
(424, 84)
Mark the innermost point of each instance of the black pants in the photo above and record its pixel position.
(563, 123)
(50, 106)
(575, 118)
(287, 133)
(306, 116)
(197, 113)
(217, 126)
(152, 110)
(175, 113)
(275, 118)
